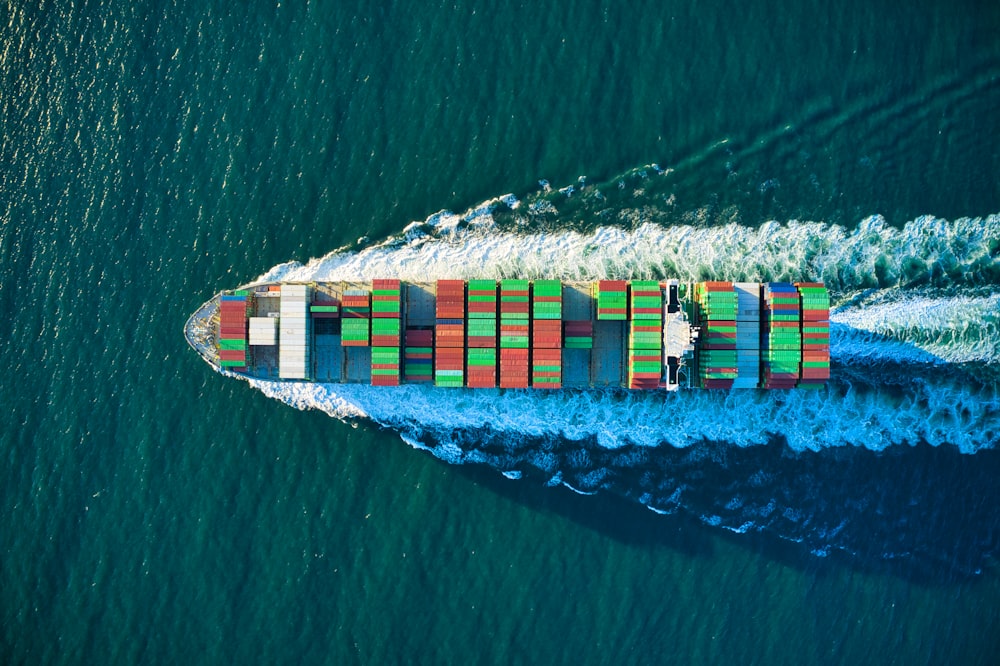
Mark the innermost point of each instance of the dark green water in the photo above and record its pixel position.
(153, 153)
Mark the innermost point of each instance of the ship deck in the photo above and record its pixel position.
(603, 366)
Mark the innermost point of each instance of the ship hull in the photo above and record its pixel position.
(518, 334)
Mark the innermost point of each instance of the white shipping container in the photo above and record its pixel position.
(262, 338)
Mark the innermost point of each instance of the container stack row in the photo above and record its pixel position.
(716, 303)
(294, 339)
(514, 326)
(263, 331)
(449, 333)
(386, 302)
(355, 315)
(233, 332)
(645, 335)
(418, 355)
(546, 335)
(481, 355)
(781, 345)
(386, 310)
(747, 335)
(815, 335)
(612, 300)
(578, 334)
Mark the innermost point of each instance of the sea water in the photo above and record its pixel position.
(154, 153)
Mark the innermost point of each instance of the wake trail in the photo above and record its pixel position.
(915, 343)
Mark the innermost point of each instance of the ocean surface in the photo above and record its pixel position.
(155, 511)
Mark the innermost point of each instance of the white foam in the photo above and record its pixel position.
(948, 415)
(919, 330)
(447, 245)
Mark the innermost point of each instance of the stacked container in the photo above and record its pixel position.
(546, 368)
(747, 335)
(327, 308)
(578, 334)
(546, 299)
(324, 310)
(449, 333)
(386, 299)
(645, 335)
(815, 334)
(263, 331)
(293, 340)
(482, 367)
(418, 355)
(233, 332)
(782, 342)
(481, 354)
(385, 366)
(385, 332)
(546, 334)
(355, 312)
(612, 300)
(514, 326)
(717, 308)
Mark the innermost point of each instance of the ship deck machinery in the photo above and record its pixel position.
(655, 335)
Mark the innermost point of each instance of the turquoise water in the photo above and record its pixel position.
(156, 512)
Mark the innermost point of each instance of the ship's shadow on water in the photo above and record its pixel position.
(921, 513)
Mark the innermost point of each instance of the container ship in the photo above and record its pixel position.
(648, 335)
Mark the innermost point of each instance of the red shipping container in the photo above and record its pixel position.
(546, 342)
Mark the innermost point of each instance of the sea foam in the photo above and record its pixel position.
(919, 295)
